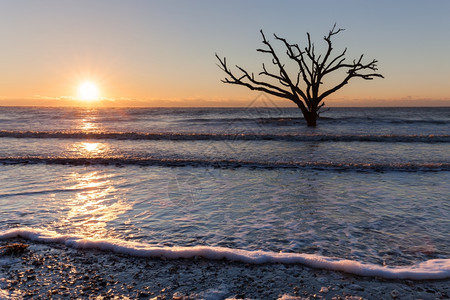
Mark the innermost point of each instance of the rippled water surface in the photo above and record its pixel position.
(368, 184)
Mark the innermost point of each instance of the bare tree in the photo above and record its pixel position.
(304, 89)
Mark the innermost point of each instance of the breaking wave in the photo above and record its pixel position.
(430, 269)
(292, 120)
(442, 138)
(228, 164)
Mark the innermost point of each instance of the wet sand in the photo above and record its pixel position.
(43, 271)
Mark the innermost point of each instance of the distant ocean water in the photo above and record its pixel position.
(367, 190)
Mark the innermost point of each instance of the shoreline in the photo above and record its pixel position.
(56, 271)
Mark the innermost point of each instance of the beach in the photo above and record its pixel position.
(46, 271)
(224, 150)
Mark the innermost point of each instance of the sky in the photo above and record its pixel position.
(161, 53)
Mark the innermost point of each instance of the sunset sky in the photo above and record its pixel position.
(161, 53)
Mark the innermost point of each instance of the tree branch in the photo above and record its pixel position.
(301, 64)
(252, 83)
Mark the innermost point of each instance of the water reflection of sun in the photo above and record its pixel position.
(95, 205)
(88, 149)
(88, 125)
(89, 120)
(91, 147)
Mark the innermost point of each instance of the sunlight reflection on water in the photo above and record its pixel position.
(88, 149)
(95, 205)
(87, 125)
(89, 120)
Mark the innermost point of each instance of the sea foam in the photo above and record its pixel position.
(430, 269)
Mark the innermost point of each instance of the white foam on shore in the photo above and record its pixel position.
(430, 269)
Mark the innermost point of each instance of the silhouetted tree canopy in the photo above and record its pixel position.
(304, 89)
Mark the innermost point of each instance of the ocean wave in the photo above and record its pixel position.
(381, 120)
(233, 120)
(293, 120)
(442, 138)
(42, 192)
(226, 164)
(430, 269)
(287, 121)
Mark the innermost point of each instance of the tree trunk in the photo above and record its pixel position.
(311, 118)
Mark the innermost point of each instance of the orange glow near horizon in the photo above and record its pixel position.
(145, 60)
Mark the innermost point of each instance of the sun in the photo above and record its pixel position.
(88, 91)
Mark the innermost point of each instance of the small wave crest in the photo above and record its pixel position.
(227, 164)
(430, 269)
(290, 120)
(382, 120)
(221, 137)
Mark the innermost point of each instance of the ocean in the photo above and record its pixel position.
(366, 191)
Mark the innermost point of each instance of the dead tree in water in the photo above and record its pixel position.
(303, 88)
